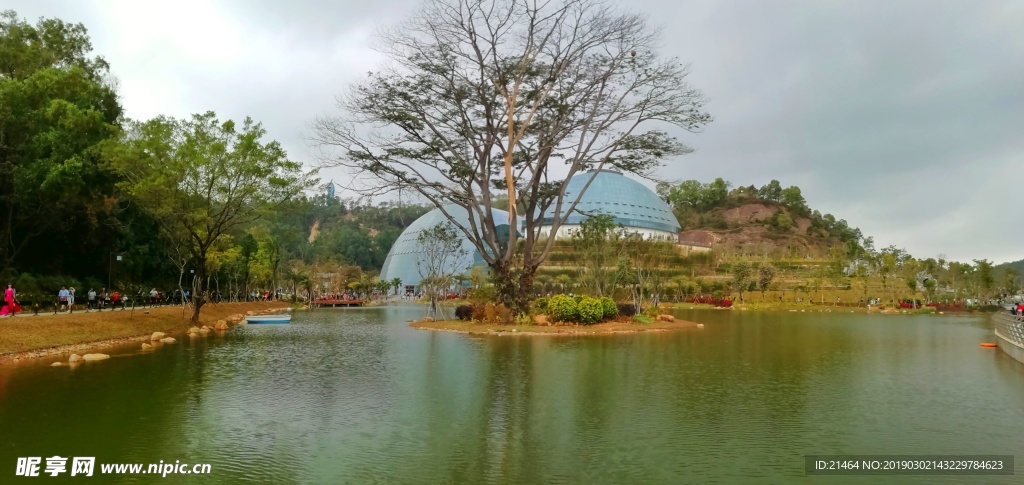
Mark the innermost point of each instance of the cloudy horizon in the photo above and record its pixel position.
(903, 118)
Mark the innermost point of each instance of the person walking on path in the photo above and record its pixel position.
(71, 297)
(91, 296)
(62, 295)
(11, 305)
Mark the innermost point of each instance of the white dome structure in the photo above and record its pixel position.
(404, 256)
(634, 206)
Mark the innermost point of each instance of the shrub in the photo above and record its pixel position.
(627, 309)
(541, 304)
(497, 314)
(482, 294)
(477, 312)
(590, 310)
(464, 312)
(563, 308)
(609, 306)
(578, 299)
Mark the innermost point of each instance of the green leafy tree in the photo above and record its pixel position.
(472, 110)
(985, 280)
(771, 191)
(794, 199)
(598, 246)
(741, 273)
(1009, 282)
(58, 106)
(202, 178)
(441, 252)
(765, 275)
(929, 289)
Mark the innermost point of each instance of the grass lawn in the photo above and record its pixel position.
(31, 332)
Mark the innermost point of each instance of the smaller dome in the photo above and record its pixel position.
(403, 259)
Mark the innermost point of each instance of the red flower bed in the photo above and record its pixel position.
(710, 300)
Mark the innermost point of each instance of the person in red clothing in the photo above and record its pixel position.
(115, 297)
(1020, 309)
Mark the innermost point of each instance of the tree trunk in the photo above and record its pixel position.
(514, 285)
(198, 291)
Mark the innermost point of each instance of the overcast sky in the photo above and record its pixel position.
(906, 118)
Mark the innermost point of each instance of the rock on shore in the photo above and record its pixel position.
(158, 336)
(74, 358)
(168, 340)
(93, 357)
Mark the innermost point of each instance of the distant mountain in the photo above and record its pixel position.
(1018, 265)
(770, 220)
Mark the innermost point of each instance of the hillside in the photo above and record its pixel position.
(1016, 266)
(769, 221)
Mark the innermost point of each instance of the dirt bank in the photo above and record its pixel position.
(32, 336)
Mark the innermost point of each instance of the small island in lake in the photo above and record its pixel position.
(604, 328)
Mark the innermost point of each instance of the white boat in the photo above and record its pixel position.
(269, 319)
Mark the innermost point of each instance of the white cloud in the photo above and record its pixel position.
(901, 117)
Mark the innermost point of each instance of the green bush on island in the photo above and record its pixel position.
(578, 299)
(611, 310)
(541, 304)
(590, 310)
(563, 308)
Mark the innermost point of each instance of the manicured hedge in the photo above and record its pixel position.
(609, 306)
(563, 308)
(590, 310)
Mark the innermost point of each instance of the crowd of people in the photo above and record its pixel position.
(67, 298)
(1017, 309)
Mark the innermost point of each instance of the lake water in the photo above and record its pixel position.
(356, 396)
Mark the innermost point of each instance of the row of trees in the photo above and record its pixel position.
(609, 261)
(90, 196)
(610, 258)
(889, 274)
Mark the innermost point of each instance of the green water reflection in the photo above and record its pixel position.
(355, 396)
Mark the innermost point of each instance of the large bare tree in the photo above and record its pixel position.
(482, 97)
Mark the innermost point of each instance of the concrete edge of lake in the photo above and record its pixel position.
(32, 337)
(607, 328)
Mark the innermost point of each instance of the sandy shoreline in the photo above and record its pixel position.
(608, 328)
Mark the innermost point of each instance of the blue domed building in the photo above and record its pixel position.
(403, 259)
(634, 206)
